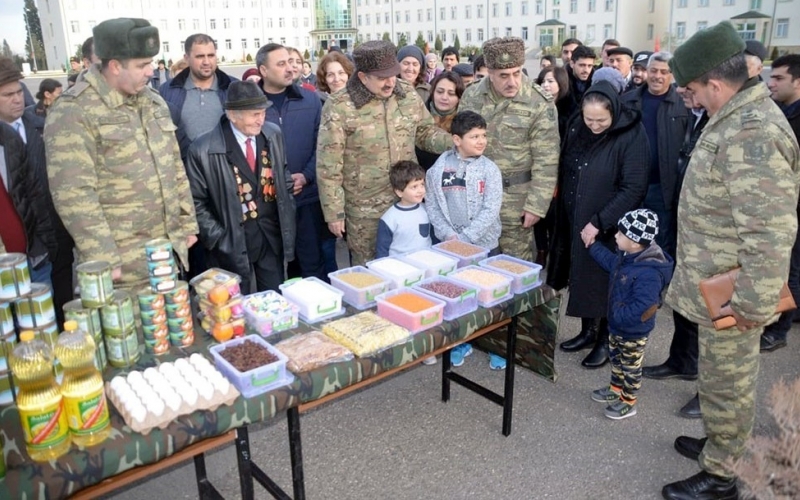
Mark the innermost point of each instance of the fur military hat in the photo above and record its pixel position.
(639, 225)
(9, 71)
(378, 58)
(704, 51)
(125, 38)
(245, 95)
(504, 53)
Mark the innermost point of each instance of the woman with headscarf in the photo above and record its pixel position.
(432, 69)
(411, 63)
(602, 175)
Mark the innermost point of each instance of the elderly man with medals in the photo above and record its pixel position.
(242, 194)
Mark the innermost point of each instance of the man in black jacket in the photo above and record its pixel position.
(242, 192)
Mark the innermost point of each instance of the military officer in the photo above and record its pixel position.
(736, 209)
(523, 140)
(374, 123)
(114, 166)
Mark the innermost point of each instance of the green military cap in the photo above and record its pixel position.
(125, 38)
(704, 51)
(504, 53)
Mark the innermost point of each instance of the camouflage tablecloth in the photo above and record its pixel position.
(126, 449)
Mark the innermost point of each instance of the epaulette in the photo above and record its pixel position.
(751, 118)
(541, 91)
(76, 89)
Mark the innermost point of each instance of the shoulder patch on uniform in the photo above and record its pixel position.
(76, 89)
(709, 146)
(754, 152)
(542, 92)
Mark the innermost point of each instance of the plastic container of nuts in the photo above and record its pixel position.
(360, 286)
(259, 379)
(466, 253)
(493, 287)
(459, 298)
(525, 274)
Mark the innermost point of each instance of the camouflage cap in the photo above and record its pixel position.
(704, 51)
(9, 71)
(378, 58)
(125, 38)
(504, 53)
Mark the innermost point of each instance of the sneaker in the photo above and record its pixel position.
(458, 353)
(621, 409)
(605, 395)
(430, 360)
(497, 362)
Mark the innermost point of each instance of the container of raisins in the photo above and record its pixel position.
(525, 274)
(459, 298)
(254, 368)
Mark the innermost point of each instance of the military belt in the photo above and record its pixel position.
(517, 178)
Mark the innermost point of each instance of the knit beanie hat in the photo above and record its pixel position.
(704, 51)
(611, 76)
(639, 225)
(378, 58)
(125, 38)
(411, 51)
(504, 53)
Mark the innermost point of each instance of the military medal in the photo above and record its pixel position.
(245, 190)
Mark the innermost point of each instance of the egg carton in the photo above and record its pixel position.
(155, 397)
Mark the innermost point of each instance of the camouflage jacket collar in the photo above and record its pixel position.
(361, 95)
(748, 95)
(113, 98)
(524, 95)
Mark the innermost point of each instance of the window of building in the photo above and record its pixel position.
(592, 5)
(747, 31)
(366, 19)
(181, 24)
(74, 26)
(430, 35)
(556, 13)
(728, 3)
(606, 31)
(650, 29)
(508, 32)
(195, 24)
(468, 35)
(453, 12)
(442, 13)
(480, 34)
(495, 10)
(573, 31)
(702, 3)
(256, 22)
(408, 16)
(682, 3)
(386, 18)
(257, 43)
(467, 12)
(573, 6)
(495, 32)
(92, 24)
(479, 11)
(509, 10)
(755, 4)
(590, 32)
(396, 16)
(282, 22)
(609, 5)
(443, 35)
(701, 25)
(429, 14)
(228, 44)
(269, 23)
(782, 27)
(453, 35)
(242, 22)
(165, 47)
(295, 22)
(680, 31)
(212, 24)
(525, 33)
(419, 15)
(359, 19)
(244, 43)
(226, 23)
(378, 18)
(538, 7)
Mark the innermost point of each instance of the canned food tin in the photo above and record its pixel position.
(88, 318)
(182, 339)
(100, 358)
(35, 308)
(149, 301)
(161, 284)
(179, 325)
(162, 267)
(179, 310)
(48, 333)
(180, 295)
(15, 276)
(158, 250)
(7, 344)
(151, 332)
(117, 317)
(155, 317)
(122, 349)
(96, 285)
(156, 346)
(6, 319)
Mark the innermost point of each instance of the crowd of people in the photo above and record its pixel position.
(649, 172)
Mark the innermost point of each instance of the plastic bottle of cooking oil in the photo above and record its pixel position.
(41, 407)
(84, 396)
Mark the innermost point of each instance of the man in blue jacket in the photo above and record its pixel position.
(297, 112)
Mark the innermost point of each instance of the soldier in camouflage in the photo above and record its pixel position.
(373, 124)
(114, 165)
(736, 209)
(523, 140)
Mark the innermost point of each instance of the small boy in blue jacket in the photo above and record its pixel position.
(639, 272)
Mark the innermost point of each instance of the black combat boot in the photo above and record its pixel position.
(599, 355)
(584, 339)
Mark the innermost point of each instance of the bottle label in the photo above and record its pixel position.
(45, 428)
(88, 414)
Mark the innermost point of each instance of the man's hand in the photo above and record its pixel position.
(529, 219)
(299, 182)
(588, 234)
(337, 228)
(191, 240)
(116, 274)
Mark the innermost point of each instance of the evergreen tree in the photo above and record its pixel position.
(386, 37)
(34, 29)
(401, 40)
(437, 45)
(6, 49)
(420, 42)
(457, 45)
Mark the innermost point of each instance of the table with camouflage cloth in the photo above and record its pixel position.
(126, 449)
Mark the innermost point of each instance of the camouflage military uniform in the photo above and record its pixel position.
(737, 208)
(360, 137)
(116, 175)
(524, 143)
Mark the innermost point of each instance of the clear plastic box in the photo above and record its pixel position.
(489, 295)
(523, 281)
(434, 263)
(258, 380)
(412, 321)
(454, 307)
(401, 278)
(463, 260)
(269, 312)
(363, 297)
(315, 299)
(221, 313)
(215, 280)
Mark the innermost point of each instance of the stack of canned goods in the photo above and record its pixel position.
(161, 265)
(179, 315)
(119, 330)
(36, 311)
(153, 314)
(88, 319)
(15, 276)
(8, 338)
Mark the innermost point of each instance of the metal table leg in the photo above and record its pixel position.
(508, 391)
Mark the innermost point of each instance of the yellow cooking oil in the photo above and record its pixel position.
(84, 395)
(40, 404)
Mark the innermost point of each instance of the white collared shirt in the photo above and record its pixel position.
(241, 139)
(20, 128)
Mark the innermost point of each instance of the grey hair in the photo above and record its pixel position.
(660, 56)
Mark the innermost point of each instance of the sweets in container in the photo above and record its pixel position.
(315, 299)
(401, 274)
(216, 285)
(493, 287)
(311, 350)
(359, 285)
(459, 298)
(365, 333)
(262, 377)
(268, 312)
(525, 274)
(466, 253)
(434, 263)
(410, 309)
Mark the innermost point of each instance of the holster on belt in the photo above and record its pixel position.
(517, 178)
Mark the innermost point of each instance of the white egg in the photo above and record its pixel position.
(206, 390)
(222, 385)
(156, 407)
(198, 359)
(131, 404)
(148, 373)
(190, 396)
(180, 363)
(117, 382)
(134, 376)
(139, 414)
(166, 369)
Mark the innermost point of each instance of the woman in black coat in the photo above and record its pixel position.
(602, 175)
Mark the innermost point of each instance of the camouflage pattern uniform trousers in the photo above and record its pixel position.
(522, 137)
(737, 208)
(116, 175)
(355, 149)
